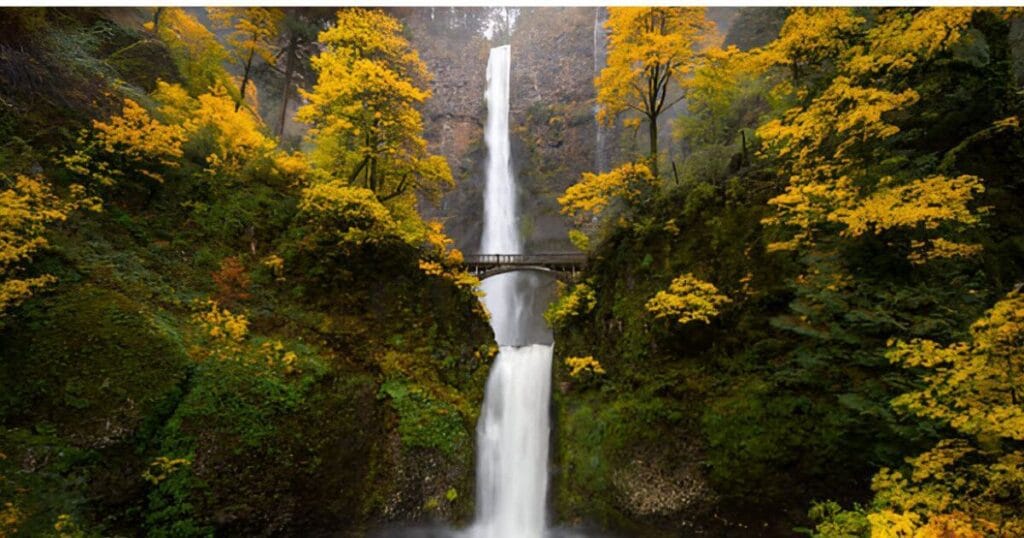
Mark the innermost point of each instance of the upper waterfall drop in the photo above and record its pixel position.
(500, 231)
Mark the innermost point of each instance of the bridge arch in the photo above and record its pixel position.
(562, 265)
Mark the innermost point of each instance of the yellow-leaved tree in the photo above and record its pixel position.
(650, 54)
(195, 50)
(687, 299)
(363, 108)
(594, 193)
(829, 147)
(254, 33)
(28, 207)
(132, 143)
(970, 485)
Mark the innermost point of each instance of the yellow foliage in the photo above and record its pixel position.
(443, 261)
(65, 527)
(253, 30)
(220, 324)
(579, 365)
(650, 52)
(27, 208)
(161, 468)
(236, 136)
(687, 299)
(648, 48)
(975, 387)
(276, 264)
(595, 192)
(956, 489)
(825, 145)
(927, 202)
(237, 133)
(363, 108)
(579, 240)
(10, 519)
(580, 300)
(352, 214)
(277, 357)
(813, 35)
(130, 143)
(195, 50)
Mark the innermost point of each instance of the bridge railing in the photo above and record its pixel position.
(544, 259)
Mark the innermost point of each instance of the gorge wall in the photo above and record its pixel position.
(552, 120)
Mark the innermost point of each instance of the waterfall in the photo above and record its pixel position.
(600, 154)
(513, 431)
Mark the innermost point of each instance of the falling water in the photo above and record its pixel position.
(600, 155)
(514, 426)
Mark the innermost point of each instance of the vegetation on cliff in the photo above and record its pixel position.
(845, 227)
(203, 332)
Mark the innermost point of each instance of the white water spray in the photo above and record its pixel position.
(514, 426)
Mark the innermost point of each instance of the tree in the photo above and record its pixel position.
(298, 44)
(363, 108)
(255, 31)
(650, 53)
(131, 143)
(195, 50)
(971, 485)
(592, 195)
(687, 299)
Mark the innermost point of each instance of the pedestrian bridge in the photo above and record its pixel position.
(561, 264)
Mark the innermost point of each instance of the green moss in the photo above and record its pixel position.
(90, 361)
(425, 421)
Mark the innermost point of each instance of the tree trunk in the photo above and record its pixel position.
(156, 19)
(289, 71)
(245, 79)
(652, 123)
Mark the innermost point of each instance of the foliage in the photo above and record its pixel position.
(132, 143)
(254, 31)
(196, 52)
(28, 207)
(650, 51)
(363, 108)
(594, 193)
(689, 299)
(836, 185)
(345, 215)
(579, 301)
(969, 485)
(579, 365)
(425, 421)
(131, 406)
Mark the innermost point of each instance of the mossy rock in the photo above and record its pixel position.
(89, 361)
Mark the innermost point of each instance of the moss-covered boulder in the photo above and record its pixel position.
(89, 361)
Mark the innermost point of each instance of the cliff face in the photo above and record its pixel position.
(452, 45)
(554, 130)
(552, 120)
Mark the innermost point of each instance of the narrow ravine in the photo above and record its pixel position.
(513, 432)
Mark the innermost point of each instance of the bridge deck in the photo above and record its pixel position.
(489, 264)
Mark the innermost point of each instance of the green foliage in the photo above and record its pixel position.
(135, 415)
(425, 421)
(837, 132)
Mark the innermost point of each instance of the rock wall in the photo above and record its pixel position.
(552, 120)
